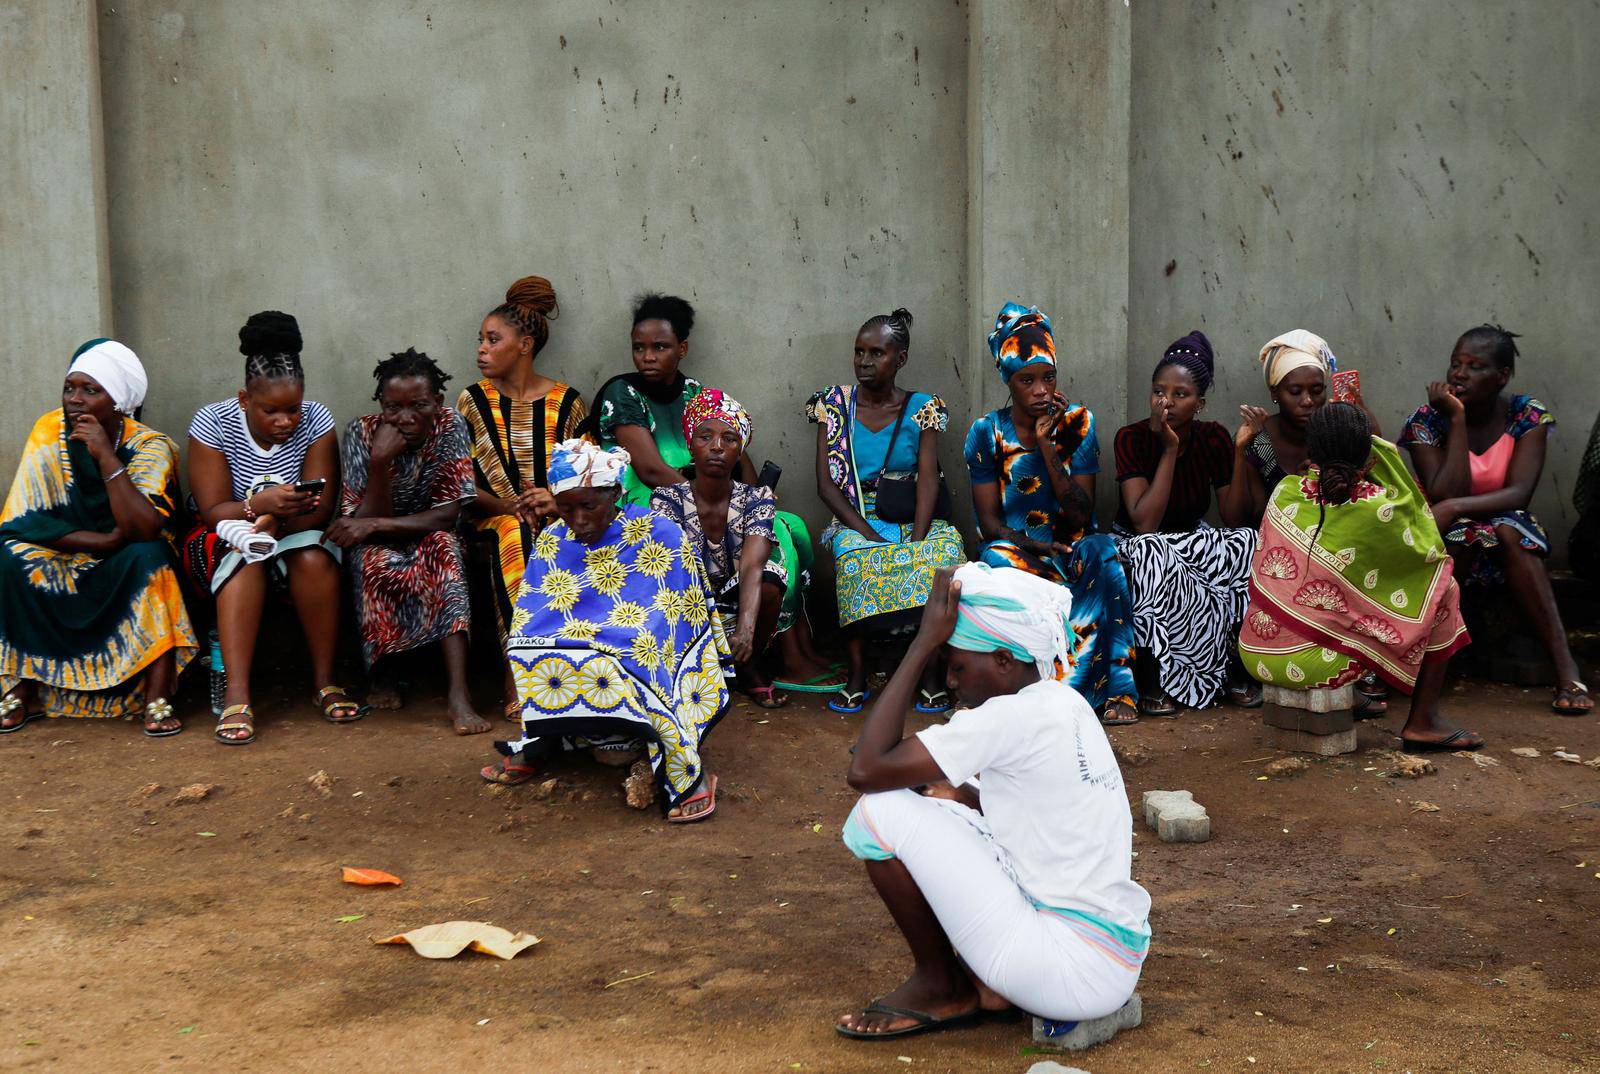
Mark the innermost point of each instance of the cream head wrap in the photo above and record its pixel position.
(116, 369)
(1012, 610)
(576, 464)
(1296, 350)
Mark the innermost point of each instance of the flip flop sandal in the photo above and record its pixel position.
(10, 705)
(923, 1022)
(933, 702)
(1445, 745)
(1369, 707)
(708, 791)
(156, 713)
(826, 683)
(507, 774)
(1372, 686)
(1107, 719)
(767, 697)
(333, 698)
(1573, 689)
(848, 702)
(1245, 695)
(1158, 706)
(513, 711)
(224, 724)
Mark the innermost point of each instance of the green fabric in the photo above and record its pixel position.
(793, 550)
(88, 505)
(620, 403)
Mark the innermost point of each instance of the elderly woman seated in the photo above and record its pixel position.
(612, 640)
(92, 621)
(1351, 571)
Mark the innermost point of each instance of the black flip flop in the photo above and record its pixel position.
(1369, 707)
(1158, 706)
(27, 718)
(1445, 745)
(1244, 695)
(924, 1022)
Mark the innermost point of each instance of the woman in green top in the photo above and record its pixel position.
(642, 412)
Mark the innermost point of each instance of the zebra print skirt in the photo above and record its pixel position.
(1189, 593)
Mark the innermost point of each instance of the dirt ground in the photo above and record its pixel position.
(1331, 924)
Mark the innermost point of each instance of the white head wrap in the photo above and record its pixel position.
(116, 369)
(1013, 610)
(576, 464)
(1298, 349)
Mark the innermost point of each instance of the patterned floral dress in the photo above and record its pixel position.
(409, 593)
(1523, 415)
(511, 443)
(1102, 611)
(752, 512)
(617, 639)
(881, 585)
(85, 626)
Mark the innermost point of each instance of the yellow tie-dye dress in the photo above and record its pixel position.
(85, 626)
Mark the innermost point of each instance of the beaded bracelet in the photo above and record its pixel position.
(118, 472)
(249, 512)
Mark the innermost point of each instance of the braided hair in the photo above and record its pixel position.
(270, 331)
(409, 363)
(898, 323)
(273, 365)
(670, 308)
(530, 306)
(1498, 343)
(1339, 442)
(1192, 354)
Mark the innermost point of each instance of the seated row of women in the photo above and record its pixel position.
(92, 622)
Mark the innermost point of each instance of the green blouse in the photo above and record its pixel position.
(620, 403)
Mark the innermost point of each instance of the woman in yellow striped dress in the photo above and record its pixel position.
(515, 417)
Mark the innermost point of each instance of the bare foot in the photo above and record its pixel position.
(940, 1001)
(384, 695)
(988, 998)
(466, 721)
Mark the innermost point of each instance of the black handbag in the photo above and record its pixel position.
(897, 492)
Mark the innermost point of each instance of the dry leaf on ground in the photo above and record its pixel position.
(321, 782)
(449, 938)
(1525, 751)
(370, 877)
(194, 792)
(1420, 806)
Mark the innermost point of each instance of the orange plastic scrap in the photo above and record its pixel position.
(449, 938)
(370, 877)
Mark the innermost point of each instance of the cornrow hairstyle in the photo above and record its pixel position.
(1498, 343)
(1339, 441)
(670, 308)
(270, 331)
(273, 365)
(530, 305)
(408, 363)
(898, 323)
(1192, 354)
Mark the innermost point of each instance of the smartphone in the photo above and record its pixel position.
(770, 472)
(311, 486)
(1346, 385)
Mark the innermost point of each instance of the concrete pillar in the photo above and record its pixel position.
(54, 268)
(1047, 160)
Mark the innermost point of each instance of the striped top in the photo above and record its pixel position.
(221, 427)
(511, 440)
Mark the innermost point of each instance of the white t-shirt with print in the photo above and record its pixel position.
(1052, 795)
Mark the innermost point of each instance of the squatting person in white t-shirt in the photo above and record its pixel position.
(1009, 873)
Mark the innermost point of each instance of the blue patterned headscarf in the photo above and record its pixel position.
(1021, 337)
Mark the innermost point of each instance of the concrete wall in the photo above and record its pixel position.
(791, 168)
(53, 282)
(1385, 175)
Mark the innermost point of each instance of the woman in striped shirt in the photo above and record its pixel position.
(269, 458)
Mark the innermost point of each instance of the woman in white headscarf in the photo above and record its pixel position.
(613, 642)
(92, 621)
(1018, 892)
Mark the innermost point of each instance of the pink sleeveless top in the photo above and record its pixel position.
(1489, 469)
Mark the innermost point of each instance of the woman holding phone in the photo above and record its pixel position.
(266, 465)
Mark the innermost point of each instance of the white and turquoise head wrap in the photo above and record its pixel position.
(579, 464)
(1010, 609)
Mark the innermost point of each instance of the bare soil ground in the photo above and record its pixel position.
(1331, 924)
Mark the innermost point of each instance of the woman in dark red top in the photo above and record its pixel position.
(1189, 579)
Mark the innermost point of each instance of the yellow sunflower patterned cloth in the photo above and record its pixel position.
(616, 640)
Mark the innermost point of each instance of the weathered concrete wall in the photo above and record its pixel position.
(1386, 175)
(791, 168)
(53, 292)
(1048, 126)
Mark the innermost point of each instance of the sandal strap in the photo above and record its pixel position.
(234, 710)
(235, 727)
(324, 693)
(10, 704)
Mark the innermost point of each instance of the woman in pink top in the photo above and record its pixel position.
(1478, 453)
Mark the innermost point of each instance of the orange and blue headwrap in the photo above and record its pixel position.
(1021, 337)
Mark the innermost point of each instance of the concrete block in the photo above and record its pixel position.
(1176, 817)
(1322, 745)
(1050, 1066)
(1076, 1036)
(1342, 697)
(1311, 722)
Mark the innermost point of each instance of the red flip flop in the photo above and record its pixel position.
(708, 791)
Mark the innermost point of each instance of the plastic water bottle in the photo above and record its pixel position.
(219, 676)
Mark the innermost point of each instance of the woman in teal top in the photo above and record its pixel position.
(642, 412)
(884, 569)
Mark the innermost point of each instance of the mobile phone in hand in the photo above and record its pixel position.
(1346, 385)
(313, 486)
